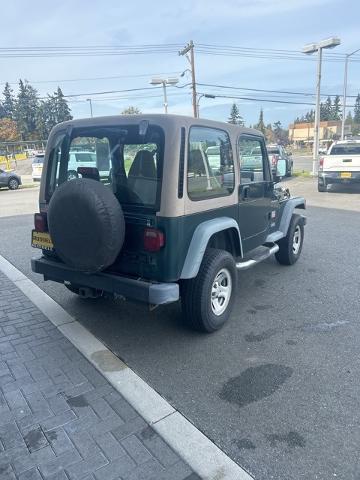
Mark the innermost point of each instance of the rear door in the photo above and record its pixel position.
(255, 191)
(3, 178)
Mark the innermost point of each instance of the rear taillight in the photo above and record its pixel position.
(40, 222)
(154, 239)
(321, 162)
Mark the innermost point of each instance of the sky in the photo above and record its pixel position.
(270, 24)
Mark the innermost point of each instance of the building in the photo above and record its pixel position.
(302, 134)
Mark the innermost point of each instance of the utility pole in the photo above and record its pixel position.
(190, 48)
(345, 92)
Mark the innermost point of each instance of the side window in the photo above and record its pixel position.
(252, 160)
(210, 170)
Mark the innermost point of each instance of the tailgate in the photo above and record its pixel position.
(344, 163)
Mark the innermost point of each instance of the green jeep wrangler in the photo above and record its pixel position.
(167, 208)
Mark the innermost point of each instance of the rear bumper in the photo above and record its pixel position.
(335, 177)
(140, 290)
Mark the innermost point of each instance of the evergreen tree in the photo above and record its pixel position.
(235, 118)
(336, 109)
(357, 109)
(323, 112)
(46, 117)
(26, 110)
(2, 111)
(261, 125)
(62, 109)
(349, 118)
(328, 109)
(9, 101)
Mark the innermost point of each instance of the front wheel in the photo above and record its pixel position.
(13, 184)
(207, 299)
(290, 246)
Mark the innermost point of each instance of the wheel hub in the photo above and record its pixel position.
(221, 291)
(297, 240)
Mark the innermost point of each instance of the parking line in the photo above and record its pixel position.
(202, 455)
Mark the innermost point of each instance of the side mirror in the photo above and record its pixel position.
(280, 170)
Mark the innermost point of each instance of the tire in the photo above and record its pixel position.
(288, 253)
(322, 188)
(13, 184)
(198, 300)
(86, 224)
(290, 171)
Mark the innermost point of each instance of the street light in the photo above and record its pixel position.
(164, 82)
(91, 110)
(205, 95)
(310, 49)
(344, 94)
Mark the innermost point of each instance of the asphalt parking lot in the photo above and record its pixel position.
(277, 389)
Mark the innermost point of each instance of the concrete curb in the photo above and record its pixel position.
(202, 455)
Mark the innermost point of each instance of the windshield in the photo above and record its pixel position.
(126, 161)
(38, 159)
(346, 149)
(274, 151)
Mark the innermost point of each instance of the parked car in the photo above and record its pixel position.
(10, 180)
(340, 165)
(168, 225)
(277, 152)
(37, 166)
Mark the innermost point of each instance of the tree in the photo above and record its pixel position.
(8, 130)
(26, 110)
(46, 117)
(261, 125)
(336, 109)
(349, 119)
(281, 135)
(2, 111)
(131, 111)
(357, 109)
(9, 102)
(235, 118)
(61, 107)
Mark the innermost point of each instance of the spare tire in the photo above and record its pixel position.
(86, 224)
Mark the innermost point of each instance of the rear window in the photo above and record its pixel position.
(346, 149)
(273, 151)
(38, 159)
(127, 161)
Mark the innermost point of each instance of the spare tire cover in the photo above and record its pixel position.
(86, 224)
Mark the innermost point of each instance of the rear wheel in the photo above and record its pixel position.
(290, 246)
(13, 184)
(207, 299)
(322, 187)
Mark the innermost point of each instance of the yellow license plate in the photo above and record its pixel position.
(345, 174)
(41, 240)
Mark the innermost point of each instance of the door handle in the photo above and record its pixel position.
(245, 192)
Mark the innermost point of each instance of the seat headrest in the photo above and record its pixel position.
(143, 165)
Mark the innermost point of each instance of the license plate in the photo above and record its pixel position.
(345, 174)
(41, 240)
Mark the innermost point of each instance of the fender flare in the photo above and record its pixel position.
(200, 240)
(291, 204)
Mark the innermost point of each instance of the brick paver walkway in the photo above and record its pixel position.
(60, 419)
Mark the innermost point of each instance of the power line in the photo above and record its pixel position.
(115, 77)
(305, 94)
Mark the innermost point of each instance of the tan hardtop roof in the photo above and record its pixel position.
(159, 119)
